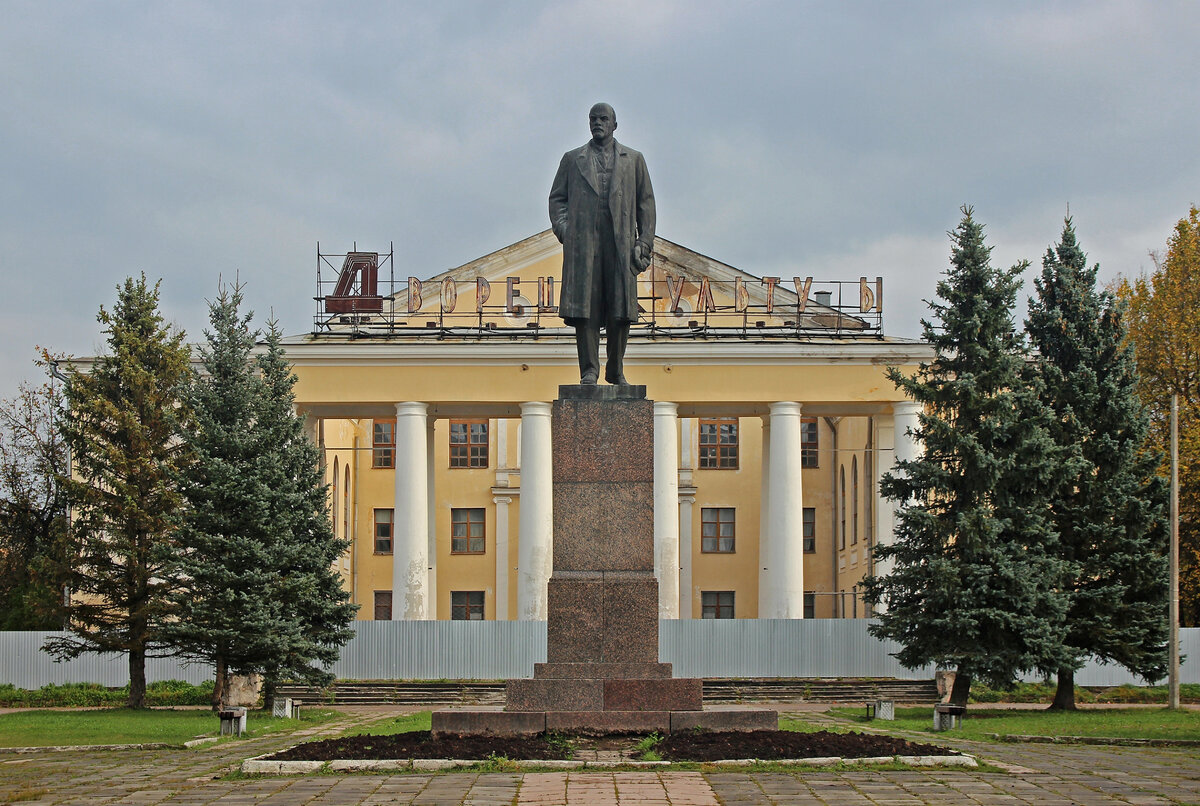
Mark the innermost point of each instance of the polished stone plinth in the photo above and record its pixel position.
(602, 598)
(495, 721)
(602, 672)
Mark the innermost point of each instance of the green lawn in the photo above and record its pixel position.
(801, 725)
(121, 726)
(1122, 723)
(421, 720)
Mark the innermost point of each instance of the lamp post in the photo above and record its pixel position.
(1173, 614)
(57, 374)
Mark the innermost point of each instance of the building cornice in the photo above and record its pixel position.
(559, 351)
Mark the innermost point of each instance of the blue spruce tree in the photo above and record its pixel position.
(256, 550)
(975, 563)
(306, 545)
(1109, 516)
(225, 550)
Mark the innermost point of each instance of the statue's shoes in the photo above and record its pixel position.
(618, 380)
(589, 378)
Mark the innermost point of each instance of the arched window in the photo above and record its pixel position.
(333, 500)
(346, 506)
(842, 501)
(854, 500)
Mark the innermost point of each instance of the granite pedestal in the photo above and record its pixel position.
(602, 672)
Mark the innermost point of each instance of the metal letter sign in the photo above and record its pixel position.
(869, 298)
(357, 289)
(414, 295)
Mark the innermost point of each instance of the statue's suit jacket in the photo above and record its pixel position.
(574, 203)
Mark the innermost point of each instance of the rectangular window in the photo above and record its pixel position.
(466, 531)
(466, 605)
(716, 604)
(383, 531)
(719, 444)
(810, 605)
(468, 443)
(717, 529)
(808, 442)
(810, 530)
(383, 444)
(383, 605)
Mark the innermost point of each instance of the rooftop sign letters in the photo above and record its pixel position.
(692, 300)
(357, 288)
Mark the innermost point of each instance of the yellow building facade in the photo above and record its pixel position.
(774, 421)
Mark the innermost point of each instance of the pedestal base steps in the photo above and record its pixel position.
(603, 674)
(594, 694)
(497, 722)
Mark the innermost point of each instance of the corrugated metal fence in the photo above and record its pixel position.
(24, 665)
(442, 650)
(778, 648)
(492, 650)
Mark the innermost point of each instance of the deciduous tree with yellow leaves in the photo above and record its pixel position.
(1164, 326)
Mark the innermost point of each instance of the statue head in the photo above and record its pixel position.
(602, 121)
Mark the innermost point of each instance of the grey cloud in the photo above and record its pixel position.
(201, 140)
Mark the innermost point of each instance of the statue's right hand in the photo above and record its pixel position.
(641, 258)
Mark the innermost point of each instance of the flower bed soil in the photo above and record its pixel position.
(769, 745)
(420, 744)
(685, 746)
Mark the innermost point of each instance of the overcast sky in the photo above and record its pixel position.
(193, 141)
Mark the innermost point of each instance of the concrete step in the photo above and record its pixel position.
(820, 690)
(394, 692)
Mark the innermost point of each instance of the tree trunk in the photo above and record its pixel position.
(221, 685)
(268, 692)
(137, 678)
(1064, 695)
(962, 688)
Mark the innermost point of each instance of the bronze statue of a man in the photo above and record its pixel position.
(602, 211)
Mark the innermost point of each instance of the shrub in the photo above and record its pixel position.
(75, 695)
(81, 695)
(179, 692)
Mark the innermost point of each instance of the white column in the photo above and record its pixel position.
(894, 435)
(905, 414)
(666, 507)
(312, 428)
(785, 518)
(410, 524)
(502, 466)
(687, 503)
(535, 528)
(687, 444)
(765, 561)
(431, 547)
(502, 502)
(885, 508)
(501, 444)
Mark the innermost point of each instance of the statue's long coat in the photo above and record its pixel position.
(574, 202)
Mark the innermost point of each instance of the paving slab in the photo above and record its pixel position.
(1036, 774)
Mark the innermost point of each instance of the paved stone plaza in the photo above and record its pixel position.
(1042, 774)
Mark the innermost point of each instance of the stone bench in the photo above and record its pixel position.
(947, 716)
(882, 709)
(287, 708)
(233, 721)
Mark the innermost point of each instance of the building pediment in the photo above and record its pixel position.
(514, 291)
